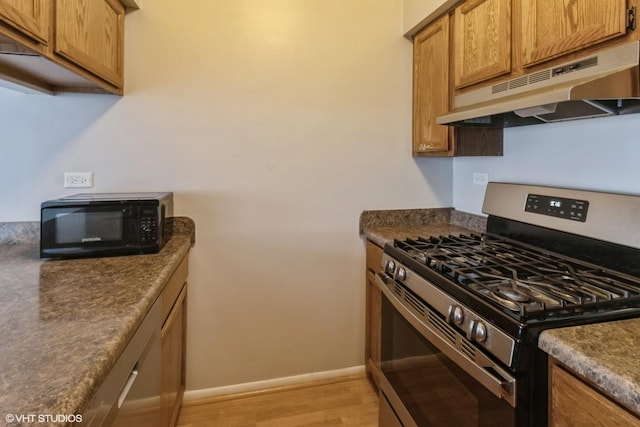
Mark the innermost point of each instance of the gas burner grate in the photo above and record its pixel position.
(523, 280)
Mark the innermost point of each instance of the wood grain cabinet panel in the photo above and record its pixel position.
(551, 28)
(573, 402)
(90, 33)
(373, 313)
(173, 344)
(30, 17)
(432, 95)
(173, 360)
(54, 46)
(431, 88)
(482, 41)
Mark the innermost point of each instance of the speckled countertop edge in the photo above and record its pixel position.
(382, 226)
(63, 324)
(19, 232)
(604, 353)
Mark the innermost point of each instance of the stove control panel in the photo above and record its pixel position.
(559, 207)
(474, 328)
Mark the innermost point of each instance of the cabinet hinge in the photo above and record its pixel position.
(631, 18)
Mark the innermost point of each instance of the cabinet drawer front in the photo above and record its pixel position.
(90, 33)
(551, 28)
(30, 17)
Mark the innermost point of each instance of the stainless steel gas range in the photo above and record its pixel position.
(461, 315)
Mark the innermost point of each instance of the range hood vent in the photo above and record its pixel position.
(604, 84)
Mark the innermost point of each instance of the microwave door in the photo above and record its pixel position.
(78, 227)
(87, 230)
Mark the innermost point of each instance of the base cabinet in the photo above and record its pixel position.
(575, 402)
(146, 384)
(173, 345)
(373, 312)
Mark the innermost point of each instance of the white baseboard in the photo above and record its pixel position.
(190, 395)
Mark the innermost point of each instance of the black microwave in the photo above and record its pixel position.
(105, 224)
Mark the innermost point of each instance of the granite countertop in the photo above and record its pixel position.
(64, 323)
(604, 353)
(383, 226)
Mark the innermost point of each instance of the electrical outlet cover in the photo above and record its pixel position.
(78, 179)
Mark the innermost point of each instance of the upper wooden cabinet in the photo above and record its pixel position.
(432, 94)
(551, 28)
(90, 33)
(482, 41)
(431, 88)
(31, 17)
(63, 45)
(494, 38)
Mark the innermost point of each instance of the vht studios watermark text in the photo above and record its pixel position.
(42, 418)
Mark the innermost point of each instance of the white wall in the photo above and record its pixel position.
(275, 123)
(596, 154)
(418, 13)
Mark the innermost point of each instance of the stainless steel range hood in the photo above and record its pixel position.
(602, 84)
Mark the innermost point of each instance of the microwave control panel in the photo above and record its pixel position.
(148, 226)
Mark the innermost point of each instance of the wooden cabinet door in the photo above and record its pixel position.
(90, 33)
(373, 313)
(431, 88)
(482, 41)
(551, 28)
(30, 17)
(373, 328)
(173, 360)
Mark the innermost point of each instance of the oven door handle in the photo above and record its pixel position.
(495, 379)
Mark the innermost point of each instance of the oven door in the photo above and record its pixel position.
(434, 376)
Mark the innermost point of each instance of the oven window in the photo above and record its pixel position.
(88, 226)
(433, 390)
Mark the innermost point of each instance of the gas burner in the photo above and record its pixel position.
(512, 293)
(523, 280)
(504, 302)
(517, 297)
(418, 255)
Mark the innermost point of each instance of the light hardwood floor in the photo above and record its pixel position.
(350, 401)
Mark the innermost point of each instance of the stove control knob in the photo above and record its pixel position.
(401, 274)
(481, 332)
(458, 315)
(390, 267)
